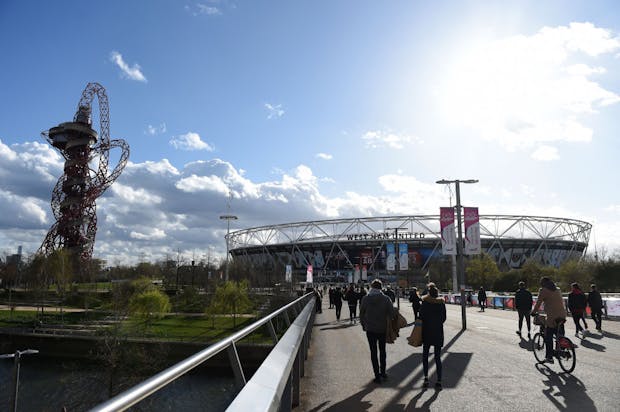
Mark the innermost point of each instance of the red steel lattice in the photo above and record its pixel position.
(85, 177)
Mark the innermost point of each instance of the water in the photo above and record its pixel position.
(49, 384)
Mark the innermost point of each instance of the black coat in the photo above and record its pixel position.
(337, 297)
(523, 300)
(351, 297)
(595, 301)
(415, 300)
(433, 315)
(577, 302)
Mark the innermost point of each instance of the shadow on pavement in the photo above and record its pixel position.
(525, 344)
(426, 405)
(591, 345)
(454, 367)
(340, 326)
(611, 335)
(565, 386)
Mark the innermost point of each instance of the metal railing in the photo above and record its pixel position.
(303, 310)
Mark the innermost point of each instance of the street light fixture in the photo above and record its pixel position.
(459, 244)
(17, 357)
(227, 218)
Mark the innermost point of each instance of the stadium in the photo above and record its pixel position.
(358, 247)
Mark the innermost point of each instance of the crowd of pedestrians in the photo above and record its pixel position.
(377, 312)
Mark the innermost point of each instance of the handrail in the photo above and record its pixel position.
(266, 391)
(139, 392)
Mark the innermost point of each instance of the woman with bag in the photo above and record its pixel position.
(433, 316)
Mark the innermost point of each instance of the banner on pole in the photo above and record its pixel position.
(356, 274)
(364, 272)
(288, 276)
(309, 274)
(472, 231)
(391, 256)
(448, 235)
(403, 256)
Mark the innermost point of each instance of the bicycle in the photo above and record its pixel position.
(564, 347)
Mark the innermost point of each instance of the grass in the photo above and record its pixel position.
(170, 327)
(194, 328)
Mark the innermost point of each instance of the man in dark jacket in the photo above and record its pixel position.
(375, 310)
(482, 298)
(577, 303)
(596, 306)
(415, 302)
(524, 302)
(433, 316)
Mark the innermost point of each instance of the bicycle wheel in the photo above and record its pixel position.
(566, 354)
(538, 347)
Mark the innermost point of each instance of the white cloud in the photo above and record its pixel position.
(151, 234)
(524, 90)
(379, 138)
(546, 153)
(190, 141)
(155, 208)
(274, 111)
(324, 156)
(195, 183)
(208, 10)
(155, 130)
(132, 73)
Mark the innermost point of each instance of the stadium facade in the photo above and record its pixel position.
(342, 246)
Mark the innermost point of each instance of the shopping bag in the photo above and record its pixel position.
(415, 339)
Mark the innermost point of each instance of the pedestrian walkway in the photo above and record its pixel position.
(485, 367)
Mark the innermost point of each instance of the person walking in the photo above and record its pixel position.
(523, 303)
(577, 302)
(331, 296)
(595, 301)
(361, 293)
(433, 316)
(390, 293)
(415, 300)
(351, 296)
(482, 298)
(374, 313)
(338, 301)
(551, 296)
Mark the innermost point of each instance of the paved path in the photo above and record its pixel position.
(486, 367)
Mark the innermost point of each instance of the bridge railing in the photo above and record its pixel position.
(286, 358)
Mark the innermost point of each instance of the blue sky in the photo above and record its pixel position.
(313, 110)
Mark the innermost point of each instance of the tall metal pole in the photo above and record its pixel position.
(459, 255)
(459, 245)
(228, 218)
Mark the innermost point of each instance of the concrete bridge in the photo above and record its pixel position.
(486, 367)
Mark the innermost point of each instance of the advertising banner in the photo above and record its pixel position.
(288, 277)
(364, 272)
(309, 274)
(403, 256)
(448, 234)
(356, 274)
(391, 256)
(472, 231)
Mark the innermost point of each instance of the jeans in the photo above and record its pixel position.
(425, 351)
(353, 312)
(597, 316)
(524, 314)
(549, 348)
(377, 340)
(338, 310)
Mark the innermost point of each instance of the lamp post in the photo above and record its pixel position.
(227, 218)
(397, 263)
(459, 245)
(15, 384)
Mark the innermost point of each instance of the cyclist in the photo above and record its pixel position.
(551, 296)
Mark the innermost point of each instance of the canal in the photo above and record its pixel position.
(49, 384)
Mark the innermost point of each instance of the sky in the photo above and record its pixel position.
(280, 111)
